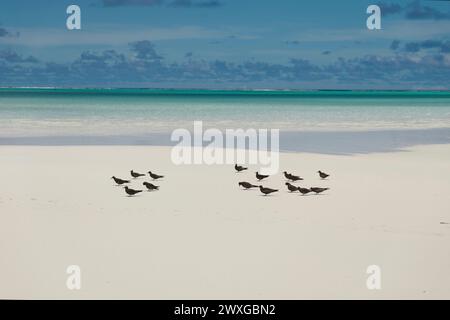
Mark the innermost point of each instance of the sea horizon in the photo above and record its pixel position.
(225, 89)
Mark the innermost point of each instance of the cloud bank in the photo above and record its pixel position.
(413, 11)
(143, 66)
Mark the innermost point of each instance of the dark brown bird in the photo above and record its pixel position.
(119, 181)
(239, 168)
(291, 187)
(150, 186)
(136, 174)
(267, 191)
(260, 176)
(318, 190)
(292, 177)
(131, 192)
(323, 175)
(155, 176)
(304, 190)
(247, 185)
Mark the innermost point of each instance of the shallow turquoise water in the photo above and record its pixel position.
(43, 112)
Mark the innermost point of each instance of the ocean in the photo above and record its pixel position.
(315, 121)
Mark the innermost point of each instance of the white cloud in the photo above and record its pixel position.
(109, 36)
(402, 30)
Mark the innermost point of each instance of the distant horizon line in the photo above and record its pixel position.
(223, 89)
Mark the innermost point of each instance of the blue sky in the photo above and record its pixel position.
(226, 44)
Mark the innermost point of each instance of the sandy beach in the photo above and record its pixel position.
(201, 237)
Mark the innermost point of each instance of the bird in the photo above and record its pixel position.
(260, 176)
(295, 178)
(239, 168)
(119, 181)
(323, 175)
(150, 186)
(136, 174)
(131, 192)
(303, 190)
(292, 177)
(267, 191)
(247, 185)
(291, 187)
(318, 190)
(155, 176)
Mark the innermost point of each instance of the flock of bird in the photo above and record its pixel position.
(131, 192)
(244, 184)
(291, 188)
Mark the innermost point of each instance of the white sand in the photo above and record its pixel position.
(201, 236)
